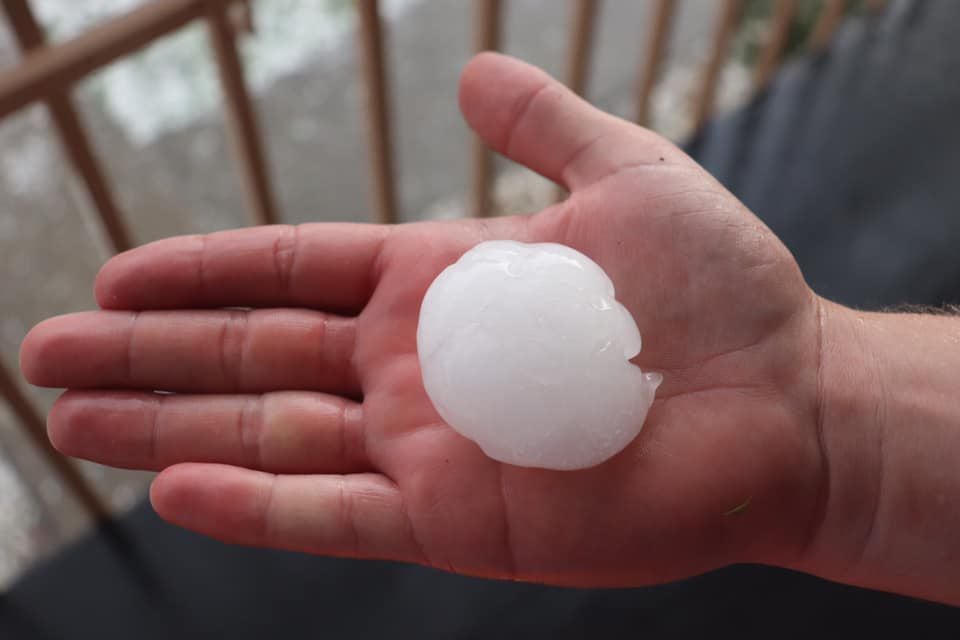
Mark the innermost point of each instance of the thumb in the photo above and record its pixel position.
(523, 113)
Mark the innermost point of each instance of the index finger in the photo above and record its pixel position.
(328, 266)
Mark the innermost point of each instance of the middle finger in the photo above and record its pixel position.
(195, 351)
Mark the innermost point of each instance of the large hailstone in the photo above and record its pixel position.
(525, 351)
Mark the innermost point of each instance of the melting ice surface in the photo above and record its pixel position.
(525, 351)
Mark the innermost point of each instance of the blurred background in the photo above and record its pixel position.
(834, 120)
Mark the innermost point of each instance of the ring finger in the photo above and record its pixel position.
(282, 432)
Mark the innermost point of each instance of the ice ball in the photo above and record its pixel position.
(524, 350)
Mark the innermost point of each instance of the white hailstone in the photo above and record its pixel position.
(525, 351)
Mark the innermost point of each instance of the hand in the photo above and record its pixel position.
(298, 418)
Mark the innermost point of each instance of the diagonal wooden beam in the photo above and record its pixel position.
(54, 68)
(71, 131)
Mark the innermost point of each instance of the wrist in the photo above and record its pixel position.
(848, 411)
(889, 431)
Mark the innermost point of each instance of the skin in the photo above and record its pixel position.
(299, 420)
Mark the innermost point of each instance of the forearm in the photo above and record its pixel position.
(889, 429)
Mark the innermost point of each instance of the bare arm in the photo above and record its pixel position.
(890, 431)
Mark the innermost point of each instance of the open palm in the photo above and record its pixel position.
(299, 420)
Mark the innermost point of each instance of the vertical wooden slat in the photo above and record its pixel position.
(581, 44)
(36, 430)
(487, 31)
(487, 38)
(782, 18)
(241, 120)
(830, 16)
(70, 128)
(579, 51)
(657, 37)
(723, 34)
(241, 16)
(378, 120)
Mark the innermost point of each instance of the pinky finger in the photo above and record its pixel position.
(356, 515)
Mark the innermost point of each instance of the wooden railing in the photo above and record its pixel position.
(48, 73)
(487, 39)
